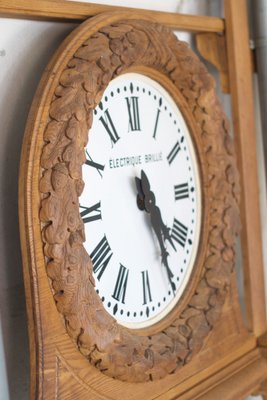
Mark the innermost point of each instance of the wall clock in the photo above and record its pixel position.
(134, 229)
(141, 203)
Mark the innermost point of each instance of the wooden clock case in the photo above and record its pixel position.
(206, 333)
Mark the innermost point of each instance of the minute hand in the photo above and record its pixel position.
(160, 229)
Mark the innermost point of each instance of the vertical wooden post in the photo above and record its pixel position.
(240, 72)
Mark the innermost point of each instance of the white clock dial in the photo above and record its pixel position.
(141, 205)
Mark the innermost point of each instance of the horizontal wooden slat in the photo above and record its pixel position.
(235, 379)
(70, 11)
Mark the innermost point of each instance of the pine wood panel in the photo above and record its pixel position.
(70, 10)
(240, 73)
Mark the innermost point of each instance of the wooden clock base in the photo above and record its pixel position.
(228, 367)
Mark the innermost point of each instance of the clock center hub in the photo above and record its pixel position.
(125, 162)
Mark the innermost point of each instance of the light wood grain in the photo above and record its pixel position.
(213, 48)
(240, 73)
(235, 381)
(70, 10)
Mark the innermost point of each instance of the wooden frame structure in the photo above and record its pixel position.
(225, 42)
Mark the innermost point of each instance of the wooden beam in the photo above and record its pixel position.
(213, 48)
(239, 384)
(76, 11)
(235, 380)
(241, 86)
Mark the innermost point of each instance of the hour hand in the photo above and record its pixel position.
(140, 194)
(145, 197)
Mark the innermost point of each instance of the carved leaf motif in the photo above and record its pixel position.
(56, 143)
(95, 48)
(70, 101)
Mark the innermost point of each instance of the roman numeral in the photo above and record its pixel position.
(121, 284)
(133, 111)
(100, 257)
(89, 161)
(146, 287)
(109, 126)
(181, 191)
(156, 124)
(179, 232)
(175, 150)
(94, 211)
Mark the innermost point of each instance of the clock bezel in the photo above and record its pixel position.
(163, 318)
(193, 129)
(55, 176)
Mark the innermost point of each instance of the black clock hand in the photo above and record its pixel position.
(167, 236)
(140, 194)
(160, 229)
(157, 224)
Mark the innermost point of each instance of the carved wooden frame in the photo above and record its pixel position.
(72, 87)
(232, 362)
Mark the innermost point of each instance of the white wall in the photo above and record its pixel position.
(25, 48)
